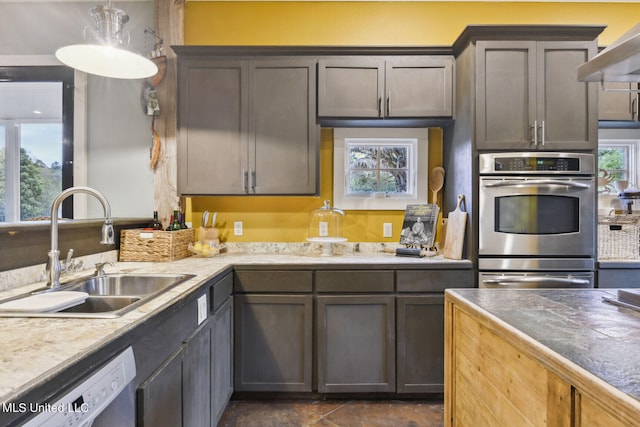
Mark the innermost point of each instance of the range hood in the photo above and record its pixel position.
(619, 62)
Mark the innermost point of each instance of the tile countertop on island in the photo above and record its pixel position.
(586, 335)
(34, 350)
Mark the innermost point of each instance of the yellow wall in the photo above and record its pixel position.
(357, 23)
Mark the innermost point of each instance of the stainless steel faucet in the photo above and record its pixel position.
(53, 267)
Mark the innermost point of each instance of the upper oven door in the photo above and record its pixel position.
(537, 216)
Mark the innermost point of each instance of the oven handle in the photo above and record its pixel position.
(543, 280)
(537, 183)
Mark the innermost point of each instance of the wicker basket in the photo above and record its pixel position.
(155, 246)
(618, 238)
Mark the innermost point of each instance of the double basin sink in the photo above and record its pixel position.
(109, 296)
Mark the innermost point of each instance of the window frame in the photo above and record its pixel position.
(48, 73)
(418, 138)
(609, 200)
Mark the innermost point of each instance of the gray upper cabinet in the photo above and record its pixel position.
(528, 96)
(618, 101)
(213, 126)
(390, 87)
(350, 87)
(247, 126)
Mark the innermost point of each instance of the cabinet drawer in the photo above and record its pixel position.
(433, 280)
(354, 281)
(221, 291)
(275, 281)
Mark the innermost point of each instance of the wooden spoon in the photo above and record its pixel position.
(436, 181)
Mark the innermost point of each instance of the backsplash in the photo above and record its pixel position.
(11, 279)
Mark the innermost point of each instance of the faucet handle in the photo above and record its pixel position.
(100, 268)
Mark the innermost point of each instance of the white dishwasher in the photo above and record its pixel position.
(105, 398)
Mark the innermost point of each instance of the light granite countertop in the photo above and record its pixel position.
(36, 349)
(600, 338)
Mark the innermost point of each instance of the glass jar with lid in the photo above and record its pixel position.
(326, 226)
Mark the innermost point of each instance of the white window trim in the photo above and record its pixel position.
(419, 172)
(609, 201)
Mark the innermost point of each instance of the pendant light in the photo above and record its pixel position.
(107, 49)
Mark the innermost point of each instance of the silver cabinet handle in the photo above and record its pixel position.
(252, 180)
(244, 179)
(389, 104)
(542, 133)
(535, 132)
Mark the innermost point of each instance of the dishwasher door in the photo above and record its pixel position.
(104, 398)
(536, 279)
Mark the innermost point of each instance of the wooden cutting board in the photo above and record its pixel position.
(456, 225)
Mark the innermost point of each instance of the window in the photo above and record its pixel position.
(379, 168)
(616, 161)
(36, 149)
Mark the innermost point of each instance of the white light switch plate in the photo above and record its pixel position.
(387, 229)
(202, 308)
(237, 228)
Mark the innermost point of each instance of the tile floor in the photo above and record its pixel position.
(334, 413)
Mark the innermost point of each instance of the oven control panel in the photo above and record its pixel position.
(525, 164)
(536, 163)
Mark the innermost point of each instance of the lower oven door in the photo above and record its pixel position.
(537, 216)
(536, 279)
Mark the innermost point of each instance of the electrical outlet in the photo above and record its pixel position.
(323, 229)
(202, 308)
(387, 229)
(237, 228)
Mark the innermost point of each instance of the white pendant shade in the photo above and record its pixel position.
(107, 51)
(107, 61)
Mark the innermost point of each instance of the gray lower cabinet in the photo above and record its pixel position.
(356, 343)
(392, 87)
(420, 343)
(196, 381)
(273, 342)
(247, 126)
(374, 331)
(221, 347)
(160, 396)
(420, 326)
(618, 101)
(193, 382)
(178, 393)
(619, 277)
(528, 96)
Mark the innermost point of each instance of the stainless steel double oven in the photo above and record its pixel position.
(537, 219)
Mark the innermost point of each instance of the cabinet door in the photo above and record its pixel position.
(618, 278)
(593, 413)
(160, 397)
(213, 111)
(567, 108)
(505, 97)
(420, 343)
(196, 382)
(618, 101)
(273, 342)
(356, 343)
(221, 359)
(283, 134)
(419, 87)
(350, 87)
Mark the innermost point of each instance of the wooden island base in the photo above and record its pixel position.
(495, 375)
